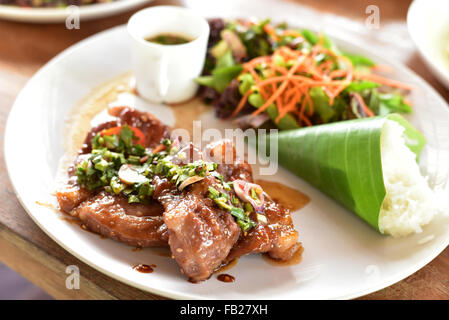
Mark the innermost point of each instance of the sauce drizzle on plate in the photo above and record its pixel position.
(288, 197)
(224, 277)
(144, 268)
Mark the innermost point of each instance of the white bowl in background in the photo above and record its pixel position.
(58, 15)
(428, 25)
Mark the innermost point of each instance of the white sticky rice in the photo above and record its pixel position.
(409, 203)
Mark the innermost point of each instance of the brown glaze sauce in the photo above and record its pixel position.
(162, 252)
(71, 220)
(144, 268)
(47, 205)
(225, 278)
(227, 266)
(290, 198)
(295, 259)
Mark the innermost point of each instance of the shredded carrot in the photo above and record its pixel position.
(281, 88)
(382, 80)
(287, 86)
(338, 73)
(280, 69)
(303, 81)
(241, 103)
(382, 68)
(349, 75)
(290, 93)
(254, 62)
(325, 66)
(257, 78)
(363, 104)
(287, 52)
(307, 121)
(309, 104)
(292, 33)
(159, 148)
(270, 30)
(321, 39)
(320, 49)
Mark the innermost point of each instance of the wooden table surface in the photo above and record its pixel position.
(24, 48)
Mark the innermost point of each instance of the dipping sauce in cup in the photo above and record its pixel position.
(168, 47)
(169, 39)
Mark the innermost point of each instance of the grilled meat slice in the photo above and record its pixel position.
(113, 217)
(278, 237)
(70, 195)
(154, 130)
(86, 147)
(229, 165)
(284, 237)
(201, 235)
(256, 240)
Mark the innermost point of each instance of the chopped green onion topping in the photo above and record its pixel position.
(119, 166)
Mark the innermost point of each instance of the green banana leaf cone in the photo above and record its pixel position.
(343, 160)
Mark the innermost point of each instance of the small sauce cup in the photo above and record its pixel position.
(166, 73)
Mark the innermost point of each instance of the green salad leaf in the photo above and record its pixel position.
(226, 69)
(358, 86)
(321, 104)
(359, 60)
(385, 103)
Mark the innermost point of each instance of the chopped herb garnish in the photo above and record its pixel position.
(248, 207)
(254, 194)
(119, 165)
(232, 204)
(213, 193)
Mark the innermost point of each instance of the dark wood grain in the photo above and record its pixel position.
(24, 48)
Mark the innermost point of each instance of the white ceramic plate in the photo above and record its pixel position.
(343, 257)
(428, 25)
(52, 15)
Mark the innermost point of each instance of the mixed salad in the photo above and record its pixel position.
(264, 74)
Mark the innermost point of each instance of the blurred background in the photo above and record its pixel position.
(14, 287)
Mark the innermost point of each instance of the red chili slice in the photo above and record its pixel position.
(116, 130)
